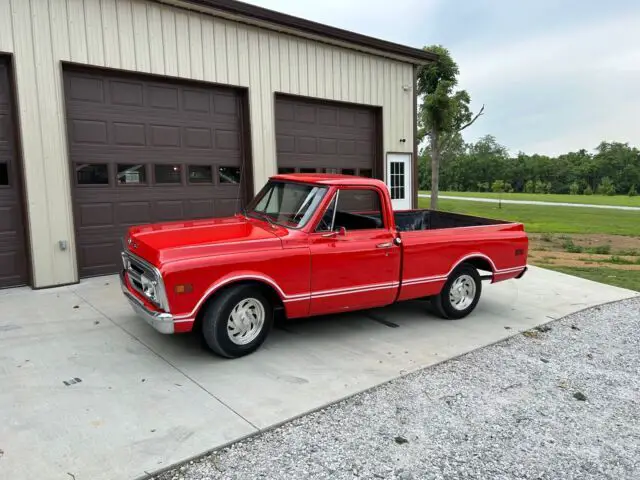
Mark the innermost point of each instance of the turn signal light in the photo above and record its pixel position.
(183, 288)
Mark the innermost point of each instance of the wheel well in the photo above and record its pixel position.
(479, 263)
(266, 289)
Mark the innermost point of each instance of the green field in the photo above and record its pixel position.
(620, 278)
(570, 221)
(617, 200)
(550, 219)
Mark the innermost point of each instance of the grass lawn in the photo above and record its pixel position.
(544, 219)
(620, 278)
(603, 234)
(618, 200)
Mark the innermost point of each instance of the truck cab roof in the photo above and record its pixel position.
(328, 179)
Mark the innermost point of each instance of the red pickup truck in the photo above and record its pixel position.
(311, 244)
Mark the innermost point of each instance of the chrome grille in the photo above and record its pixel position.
(135, 269)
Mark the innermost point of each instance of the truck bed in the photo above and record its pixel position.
(413, 220)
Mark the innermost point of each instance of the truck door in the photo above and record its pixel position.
(355, 262)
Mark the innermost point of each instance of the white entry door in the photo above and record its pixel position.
(399, 180)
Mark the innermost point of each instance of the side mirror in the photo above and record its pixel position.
(341, 232)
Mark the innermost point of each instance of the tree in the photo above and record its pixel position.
(632, 191)
(444, 111)
(498, 186)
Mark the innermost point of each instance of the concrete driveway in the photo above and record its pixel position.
(87, 389)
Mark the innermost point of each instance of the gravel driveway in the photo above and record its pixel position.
(562, 403)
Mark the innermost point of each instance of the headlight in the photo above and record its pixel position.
(149, 288)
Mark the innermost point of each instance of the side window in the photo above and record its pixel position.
(358, 209)
(327, 219)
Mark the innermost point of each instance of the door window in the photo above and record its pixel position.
(396, 180)
(353, 209)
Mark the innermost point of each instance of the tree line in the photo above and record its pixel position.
(612, 169)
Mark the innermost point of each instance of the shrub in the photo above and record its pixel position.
(606, 187)
(529, 187)
(571, 247)
(632, 191)
(588, 190)
(540, 187)
(574, 188)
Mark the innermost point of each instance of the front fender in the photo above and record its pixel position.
(229, 279)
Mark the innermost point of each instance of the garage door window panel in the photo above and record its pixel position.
(229, 175)
(92, 174)
(168, 174)
(199, 174)
(131, 174)
(4, 175)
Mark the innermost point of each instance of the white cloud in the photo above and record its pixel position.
(547, 90)
(394, 22)
(582, 49)
(579, 86)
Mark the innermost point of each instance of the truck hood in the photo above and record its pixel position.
(160, 243)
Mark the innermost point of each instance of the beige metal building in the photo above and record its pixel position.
(120, 112)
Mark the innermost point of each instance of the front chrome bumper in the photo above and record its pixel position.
(161, 321)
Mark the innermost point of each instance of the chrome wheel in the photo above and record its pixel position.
(462, 292)
(245, 321)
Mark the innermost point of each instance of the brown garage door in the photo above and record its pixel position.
(13, 258)
(320, 136)
(144, 150)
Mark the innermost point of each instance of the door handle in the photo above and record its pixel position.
(384, 245)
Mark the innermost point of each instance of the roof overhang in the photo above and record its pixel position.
(281, 22)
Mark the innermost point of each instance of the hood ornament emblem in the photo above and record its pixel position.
(131, 243)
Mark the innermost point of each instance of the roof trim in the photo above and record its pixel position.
(289, 21)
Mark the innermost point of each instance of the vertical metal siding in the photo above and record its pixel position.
(147, 37)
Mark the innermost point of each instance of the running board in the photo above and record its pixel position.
(486, 277)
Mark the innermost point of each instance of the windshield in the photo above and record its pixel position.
(287, 204)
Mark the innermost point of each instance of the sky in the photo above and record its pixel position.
(554, 75)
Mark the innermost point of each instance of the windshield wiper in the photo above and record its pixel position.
(266, 217)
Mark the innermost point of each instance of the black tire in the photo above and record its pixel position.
(216, 317)
(442, 303)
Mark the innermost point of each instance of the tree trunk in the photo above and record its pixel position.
(435, 169)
